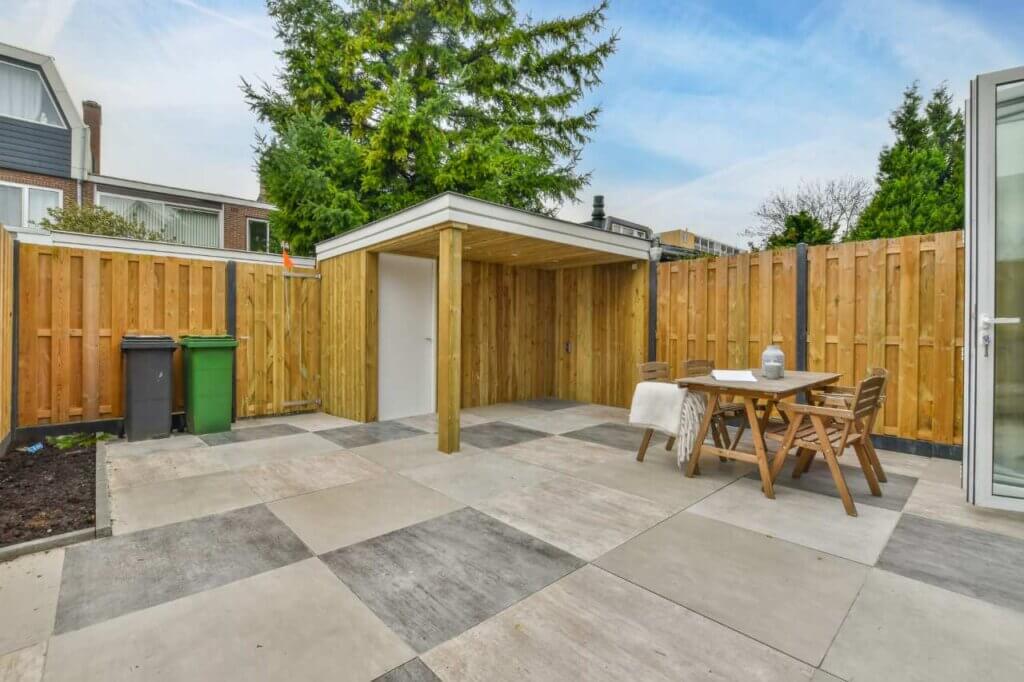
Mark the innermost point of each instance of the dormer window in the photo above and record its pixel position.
(24, 96)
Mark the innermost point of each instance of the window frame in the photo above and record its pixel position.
(24, 199)
(99, 194)
(248, 233)
(62, 124)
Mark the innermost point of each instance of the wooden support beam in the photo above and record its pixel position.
(449, 338)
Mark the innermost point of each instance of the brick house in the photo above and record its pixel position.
(50, 156)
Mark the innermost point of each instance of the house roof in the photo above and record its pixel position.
(176, 191)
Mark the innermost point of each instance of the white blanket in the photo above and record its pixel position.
(665, 407)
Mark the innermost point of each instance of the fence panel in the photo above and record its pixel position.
(6, 330)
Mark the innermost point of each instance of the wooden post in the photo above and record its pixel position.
(449, 338)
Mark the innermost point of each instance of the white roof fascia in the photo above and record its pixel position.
(177, 191)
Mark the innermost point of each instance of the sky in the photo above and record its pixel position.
(707, 107)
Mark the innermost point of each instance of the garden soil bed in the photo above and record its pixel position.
(46, 493)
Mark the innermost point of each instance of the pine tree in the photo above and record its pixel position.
(921, 176)
(385, 103)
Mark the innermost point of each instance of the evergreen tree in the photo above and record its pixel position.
(921, 176)
(385, 103)
(802, 227)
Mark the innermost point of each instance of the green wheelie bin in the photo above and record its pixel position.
(209, 377)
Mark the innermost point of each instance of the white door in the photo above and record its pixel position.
(994, 400)
(406, 362)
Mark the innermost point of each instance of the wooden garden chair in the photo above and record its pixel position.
(829, 430)
(653, 371)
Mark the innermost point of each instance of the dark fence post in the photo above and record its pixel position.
(801, 307)
(230, 295)
(652, 313)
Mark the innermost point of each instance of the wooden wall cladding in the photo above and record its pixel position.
(600, 331)
(348, 335)
(508, 333)
(6, 331)
(278, 328)
(74, 307)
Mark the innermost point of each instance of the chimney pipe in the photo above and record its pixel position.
(92, 115)
(597, 215)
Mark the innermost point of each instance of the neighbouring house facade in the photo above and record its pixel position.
(50, 153)
(684, 239)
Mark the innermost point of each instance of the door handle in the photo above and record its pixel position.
(987, 322)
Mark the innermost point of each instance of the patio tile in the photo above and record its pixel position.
(620, 436)
(29, 586)
(163, 502)
(177, 441)
(500, 411)
(946, 503)
(118, 575)
(294, 623)
(413, 671)
(895, 492)
(308, 421)
(605, 413)
(498, 434)
(564, 632)
(902, 629)
(409, 453)
(125, 472)
(580, 517)
(244, 435)
(902, 463)
(808, 519)
(478, 478)
(300, 475)
(557, 421)
(822, 676)
(784, 595)
(566, 455)
(336, 517)
(434, 580)
(428, 422)
(965, 560)
(369, 433)
(23, 665)
(549, 404)
(945, 471)
(249, 453)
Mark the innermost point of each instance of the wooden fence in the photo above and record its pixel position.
(6, 330)
(895, 303)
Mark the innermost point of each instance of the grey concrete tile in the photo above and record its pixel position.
(434, 580)
(128, 471)
(605, 413)
(307, 421)
(592, 625)
(549, 404)
(413, 671)
(164, 502)
(819, 480)
(620, 436)
(250, 433)
(498, 434)
(902, 629)
(428, 422)
(808, 519)
(822, 676)
(23, 665)
(294, 623)
(580, 517)
(300, 475)
(500, 411)
(29, 586)
(335, 517)
(566, 455)
(367, 434)
(784, 595)
(113, 576)
(965, 560)
(176, 441)
(946, 503)
(555, 422)
(479, 477)
(945, 471)
(409, 453)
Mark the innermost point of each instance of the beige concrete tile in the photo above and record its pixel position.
(946, 503)
(177, 441)
(594, 626)
(428, 422)
(248, 453)
(294, 623)
(300, 475)
(944, 471)
(808, 519)
(902, 463)
(310, 421)
(29, 587)
(336, 517)
(479, 477)
(822, 676)
(582, 518)
(903, 629)
(784, 595)
(157, 504)
(128, 471)
(501, 411)
(567, 455)
(23, 665)
(556, 421)
(409, 453)
(603, 413)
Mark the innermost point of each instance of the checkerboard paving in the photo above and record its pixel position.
(308, 547)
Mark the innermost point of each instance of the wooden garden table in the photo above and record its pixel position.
(764, 393)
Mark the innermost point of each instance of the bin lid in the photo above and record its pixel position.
(147, 343)
(209, 341)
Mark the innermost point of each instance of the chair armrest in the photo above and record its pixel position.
(819, 410)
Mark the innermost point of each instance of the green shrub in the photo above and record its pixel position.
(99, 221)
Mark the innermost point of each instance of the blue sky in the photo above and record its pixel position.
(708, 106)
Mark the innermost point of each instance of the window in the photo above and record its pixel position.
(23, 95)
(21, 206)
(182, 224)
(258, 235)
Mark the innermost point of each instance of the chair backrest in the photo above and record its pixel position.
(653, 371)
(868, 396)
(698, 368)
(884, 373)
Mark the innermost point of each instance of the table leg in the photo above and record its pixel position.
(759, 446)
(693, 466)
